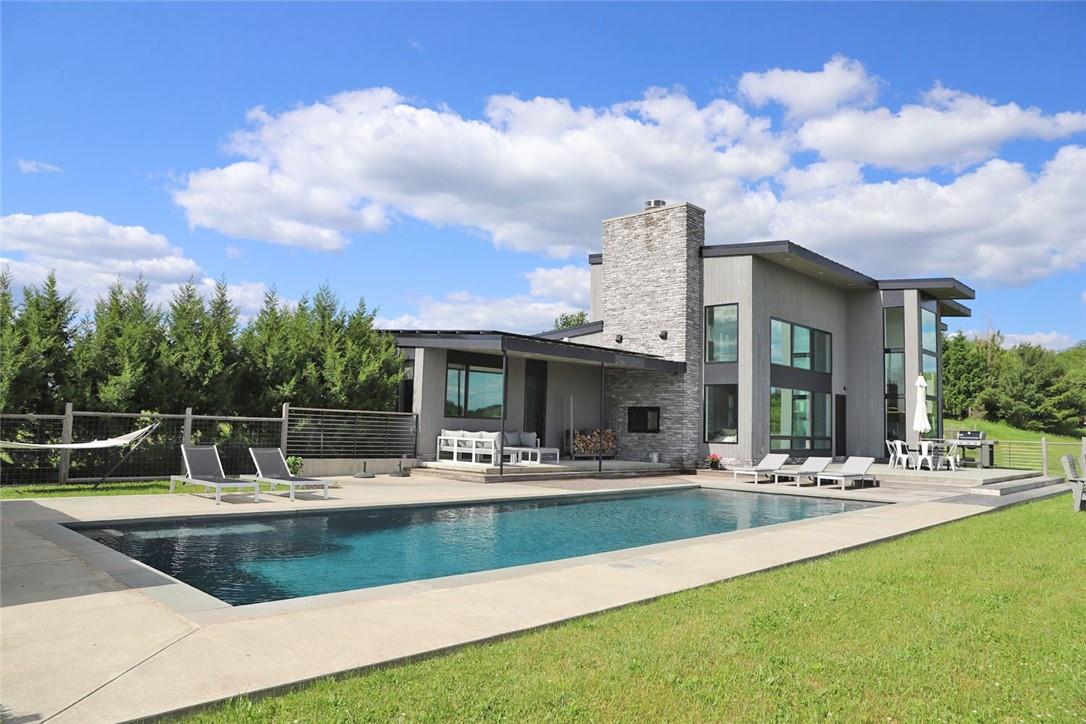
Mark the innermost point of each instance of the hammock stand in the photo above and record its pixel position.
(130, 440)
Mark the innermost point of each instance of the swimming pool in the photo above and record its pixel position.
(268, 558)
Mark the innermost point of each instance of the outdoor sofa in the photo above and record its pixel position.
(486, 447)
(854, 470)
(271, 469)
(203, 467)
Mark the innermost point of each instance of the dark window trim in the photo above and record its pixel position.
(812, 438)
(902, 397)
(468, 361)
(705, 413)
(647, 409)
(705, 333)
(792, 345)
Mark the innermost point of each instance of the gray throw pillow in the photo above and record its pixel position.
(527, 439)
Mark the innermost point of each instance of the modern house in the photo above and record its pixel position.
(734, 349)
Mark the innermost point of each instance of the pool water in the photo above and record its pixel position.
(268, 558)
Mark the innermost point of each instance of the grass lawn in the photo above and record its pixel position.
(56, 490)
(980, 620)
(1003, 431)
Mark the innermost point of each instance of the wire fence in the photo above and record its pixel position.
(306, 432)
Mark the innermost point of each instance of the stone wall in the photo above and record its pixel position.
(651, 282)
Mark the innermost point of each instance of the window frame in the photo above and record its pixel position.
(809, 442)
(649, 411)
(705, 414)
(705, 332)
(900, 400)
(465, 364)
(809, 354)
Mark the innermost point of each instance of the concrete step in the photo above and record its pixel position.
(1018, 486)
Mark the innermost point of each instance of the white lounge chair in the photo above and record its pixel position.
(271, 469)
(854, 470)
(203, 467)
(810, 468)
(768, 465)
(1076, 479)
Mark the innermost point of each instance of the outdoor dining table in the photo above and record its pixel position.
(985, 448)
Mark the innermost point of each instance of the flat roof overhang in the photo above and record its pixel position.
(522, 345)
(950, 308)
(796, 257)
(936, 287)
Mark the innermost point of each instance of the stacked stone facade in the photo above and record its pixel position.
(651, 284)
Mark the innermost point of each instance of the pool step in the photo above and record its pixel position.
(1017, 486)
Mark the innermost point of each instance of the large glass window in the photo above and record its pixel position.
(893, 329)
(929, 337)
(473, 388)
(893, 339)
(781, 341)
(799, 419)
(722, 413)
(930, 372)
(722, 333)
(794, 345)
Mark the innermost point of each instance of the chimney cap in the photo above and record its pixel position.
(655, 203)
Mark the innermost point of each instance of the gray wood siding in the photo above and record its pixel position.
(727, 280)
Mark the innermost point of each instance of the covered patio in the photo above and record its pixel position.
(501, 382)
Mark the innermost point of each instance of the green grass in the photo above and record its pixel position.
(56, 490)
(1019, 448)
(981, 620)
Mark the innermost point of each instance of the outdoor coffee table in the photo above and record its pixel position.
(534, 456)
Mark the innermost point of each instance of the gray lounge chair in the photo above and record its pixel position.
(203, 467)
(853, 471)
(271, 469)
(1076, 479)
(809, 469)
(768, 465)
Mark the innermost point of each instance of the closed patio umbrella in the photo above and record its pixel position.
(921, 423)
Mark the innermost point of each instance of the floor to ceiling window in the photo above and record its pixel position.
(722, 333)
(893, 342)
(929, 367)
(722, 413)
(800, 420)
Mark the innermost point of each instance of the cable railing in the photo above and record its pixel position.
(305, 432)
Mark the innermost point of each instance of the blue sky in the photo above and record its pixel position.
(924, 139)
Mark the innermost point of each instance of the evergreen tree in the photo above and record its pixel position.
(965, 374)
(43, 334)
(1036, 392)
(571, 319)
(183, 354)
(12, 351)
(266, 379)
(220, 344)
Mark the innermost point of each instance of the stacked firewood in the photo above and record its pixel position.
(587, 442)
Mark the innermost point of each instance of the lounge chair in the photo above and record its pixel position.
(769, 465)
(810, 468)
(854, 470)
(1076, 479)
(203, 467)
(271, 469)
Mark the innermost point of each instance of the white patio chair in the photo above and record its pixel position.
(902, 453)
(925, 455)
(895, 458)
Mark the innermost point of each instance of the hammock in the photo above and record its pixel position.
(121, 441)
(131, 440)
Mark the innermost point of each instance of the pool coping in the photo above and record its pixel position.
(384, 625)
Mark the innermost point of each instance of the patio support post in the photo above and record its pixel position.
(65, 438)
(505, 399)
(186, 429)
(599, 446)
(283, 429)
(1044, 455)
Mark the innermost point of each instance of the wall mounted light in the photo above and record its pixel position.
(618, 339)
(663, 334)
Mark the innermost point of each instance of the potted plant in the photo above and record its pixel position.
(714, 461)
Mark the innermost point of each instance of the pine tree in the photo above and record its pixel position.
(183, 354)
(12, 350)
(220, 345)
(44, 334)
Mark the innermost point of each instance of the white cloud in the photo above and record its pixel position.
(233, 252)
(950, 129)
(89, 253)
(1051, 340)
(841, 81)
(1084, 297)
(571, 284)
(30, 166)
(538, 174)
(464, 310)
(998, 224)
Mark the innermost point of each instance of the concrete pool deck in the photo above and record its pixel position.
(91, 636)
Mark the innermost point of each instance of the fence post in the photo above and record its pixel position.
(1044, 455)
(66, 439)
(283, 431)
(186, 432)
